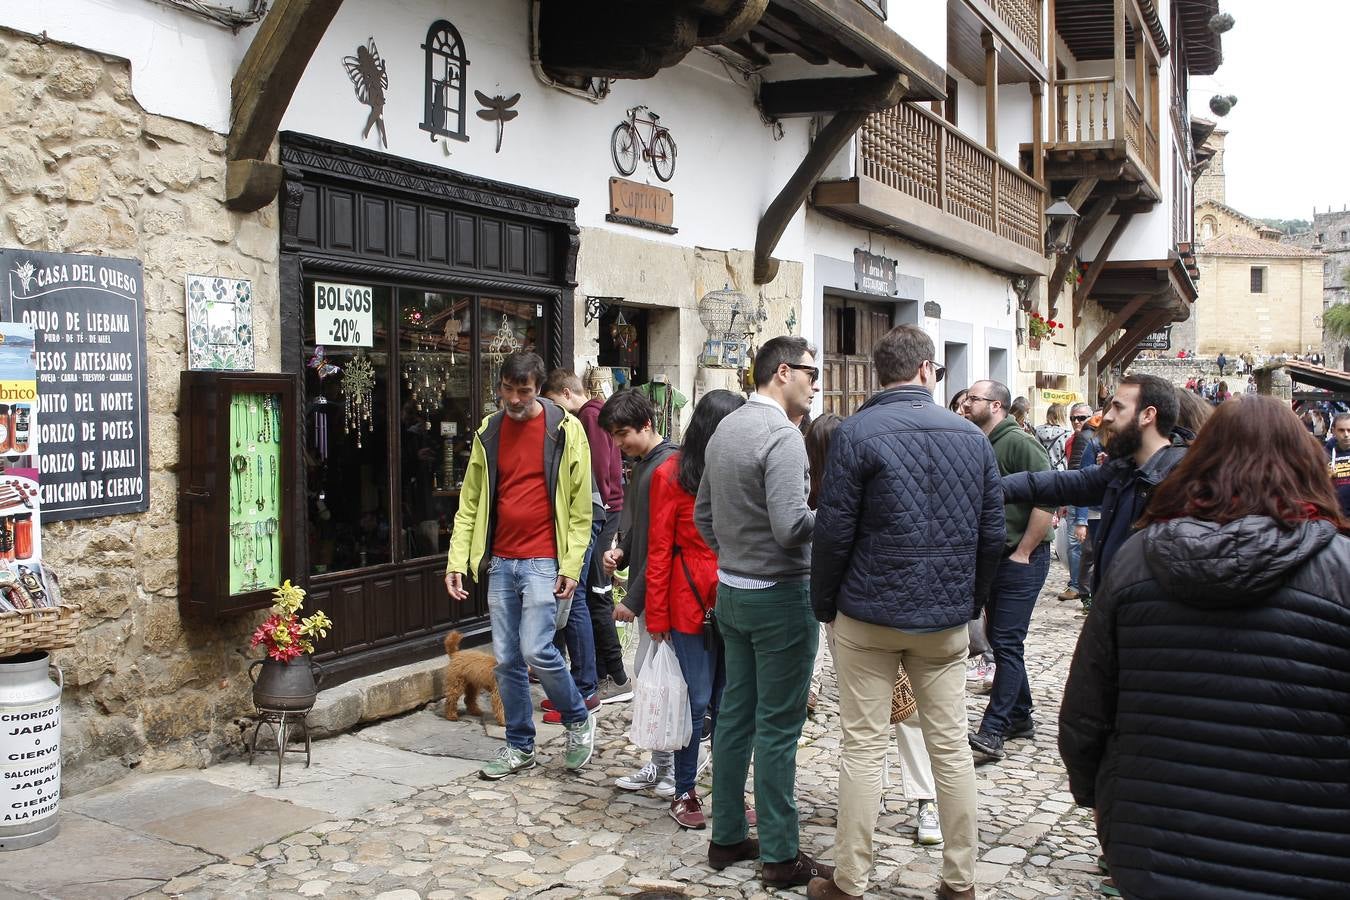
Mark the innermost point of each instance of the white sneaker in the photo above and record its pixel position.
(704, 759)
(988, 683)
(665, 785)
(930, 829)
(643, 779)
(975, 671)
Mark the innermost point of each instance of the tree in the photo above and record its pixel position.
(1336, 320)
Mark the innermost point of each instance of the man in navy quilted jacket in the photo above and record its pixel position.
(909, 532)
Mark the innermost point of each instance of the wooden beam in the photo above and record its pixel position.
(1118, 32)
(879, 45)
(1095, 269)
(784, 37)
(828, 142)
(1132, 337)
(1038, 137)
(990, 91)
(270, 70)
(261, 91)
(1051, 70)
(1140, 85)
(823, 96)
(1090, 220)
(1110, 328)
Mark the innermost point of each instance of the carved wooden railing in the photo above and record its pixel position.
(1086, 114)
(916, 153)
(1086, 108)
(1023, 18)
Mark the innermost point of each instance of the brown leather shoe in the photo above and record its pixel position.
(946, 892)
(794, 873)
(826, 889)
(722, 855)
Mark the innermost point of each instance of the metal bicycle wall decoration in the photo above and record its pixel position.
(627, 145)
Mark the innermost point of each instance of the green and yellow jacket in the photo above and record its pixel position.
(567, 469)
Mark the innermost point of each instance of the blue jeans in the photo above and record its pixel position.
(523, 610)
(577, 635)
(700, 668)
(1075, 561)
(1011, 602)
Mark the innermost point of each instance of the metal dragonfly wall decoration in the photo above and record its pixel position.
(497, 109)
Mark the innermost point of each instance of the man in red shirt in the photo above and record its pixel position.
(524, 523)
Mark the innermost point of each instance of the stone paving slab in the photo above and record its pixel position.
(96, 860)
(187, 809)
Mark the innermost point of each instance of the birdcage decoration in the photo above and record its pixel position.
(723, 314)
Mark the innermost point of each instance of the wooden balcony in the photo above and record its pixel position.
(918, 176)
(1011, 27)
(1095, 119)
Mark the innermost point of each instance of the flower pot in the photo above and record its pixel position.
(285, 685)
(1034, 341)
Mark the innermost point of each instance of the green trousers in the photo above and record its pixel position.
(770, 639)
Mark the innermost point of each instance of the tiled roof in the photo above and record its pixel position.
(1238, 245)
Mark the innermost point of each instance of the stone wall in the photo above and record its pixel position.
(83, 169)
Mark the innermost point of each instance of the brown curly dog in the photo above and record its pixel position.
(467, 673)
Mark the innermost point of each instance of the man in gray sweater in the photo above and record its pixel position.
(752, 511)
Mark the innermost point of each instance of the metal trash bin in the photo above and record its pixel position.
(30, 750)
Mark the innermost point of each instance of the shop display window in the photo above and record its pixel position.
(433, 357)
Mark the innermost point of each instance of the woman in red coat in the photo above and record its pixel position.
(682, 587)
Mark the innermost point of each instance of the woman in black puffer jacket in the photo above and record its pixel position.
(1206, 719)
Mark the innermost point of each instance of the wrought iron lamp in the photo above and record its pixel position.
(1060, 214)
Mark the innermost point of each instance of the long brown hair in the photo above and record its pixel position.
(818, 435)
(1252, 458)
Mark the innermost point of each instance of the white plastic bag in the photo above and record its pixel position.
(661, 718)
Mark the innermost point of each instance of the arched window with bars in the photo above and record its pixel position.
(444, 107)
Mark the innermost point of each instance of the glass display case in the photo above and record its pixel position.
(237, 497)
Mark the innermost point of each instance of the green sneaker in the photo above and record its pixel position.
(580, 742)
(508, 761)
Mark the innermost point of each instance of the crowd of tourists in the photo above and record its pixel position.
(1205, 716)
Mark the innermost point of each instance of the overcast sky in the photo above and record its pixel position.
(1287, 64)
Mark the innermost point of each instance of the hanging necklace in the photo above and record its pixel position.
(239, 464)
(258, 463)
(358, 390)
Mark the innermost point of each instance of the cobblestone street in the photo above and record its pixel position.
(550, 835)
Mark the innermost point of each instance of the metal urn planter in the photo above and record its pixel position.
(284, 693)
(288, 686)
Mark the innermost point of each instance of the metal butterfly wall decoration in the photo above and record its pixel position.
(497, 109)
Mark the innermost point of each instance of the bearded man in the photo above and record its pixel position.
(1144, 445)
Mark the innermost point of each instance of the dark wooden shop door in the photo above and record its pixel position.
(852, 327)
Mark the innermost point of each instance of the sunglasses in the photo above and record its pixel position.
(811, 371)
(1079, 418)
(939, 371)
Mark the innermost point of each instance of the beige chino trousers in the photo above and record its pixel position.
(867, 659)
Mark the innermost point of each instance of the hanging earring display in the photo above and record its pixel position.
(358, 392)
(255, 471)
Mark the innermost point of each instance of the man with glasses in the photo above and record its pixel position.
(909, 535)
(752, 511)
(1021, 575)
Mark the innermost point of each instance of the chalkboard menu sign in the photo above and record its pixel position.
(88, 314)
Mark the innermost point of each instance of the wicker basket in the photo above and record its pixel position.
(46, 628)
(903, 704)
